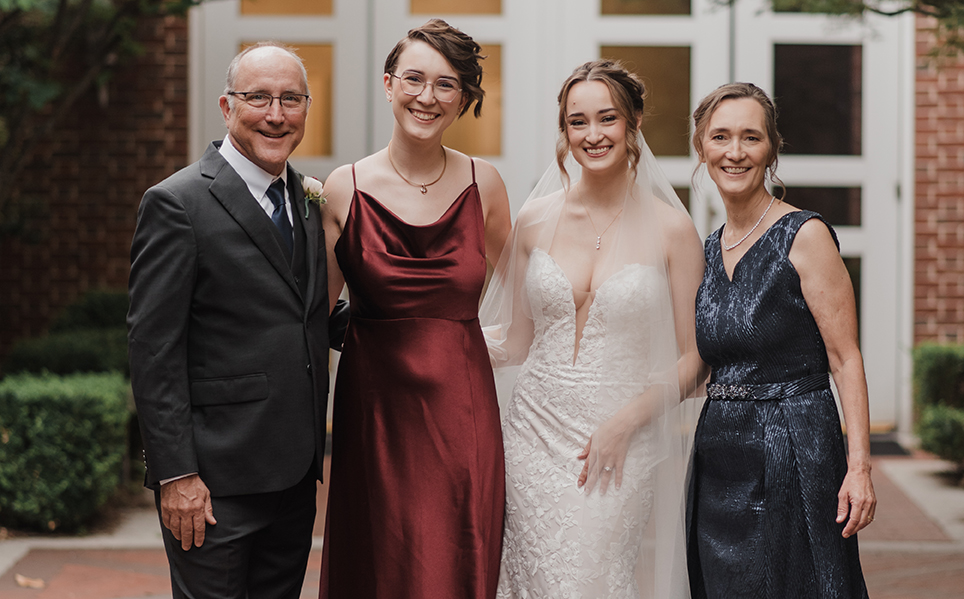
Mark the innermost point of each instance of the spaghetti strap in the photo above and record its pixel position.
(472, 161)
(354, 181)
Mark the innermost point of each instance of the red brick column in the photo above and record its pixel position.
(117, 143)
(939, 195)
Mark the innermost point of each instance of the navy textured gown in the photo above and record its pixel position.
(769, 453)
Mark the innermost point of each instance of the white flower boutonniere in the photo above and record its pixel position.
(313, 192)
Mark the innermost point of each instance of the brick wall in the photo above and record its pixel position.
(93, 175)
(939, 202)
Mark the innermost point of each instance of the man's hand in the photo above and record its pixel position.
(185, 507)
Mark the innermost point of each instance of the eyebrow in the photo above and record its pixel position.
(603, 111)
(726, 130)
(417, 72)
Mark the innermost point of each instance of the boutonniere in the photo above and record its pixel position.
(313, 192)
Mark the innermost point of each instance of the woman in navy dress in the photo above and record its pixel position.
(775, 499)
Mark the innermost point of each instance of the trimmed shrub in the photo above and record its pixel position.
(941, 431)
(62, 446)
(81, 350)
(938, 375)
(98, 309)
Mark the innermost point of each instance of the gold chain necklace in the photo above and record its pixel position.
(423, 187)
(598, 234)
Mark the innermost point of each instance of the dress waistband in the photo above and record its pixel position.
(767, 391)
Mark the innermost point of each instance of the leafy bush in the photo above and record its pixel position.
(938, 375)
(941, 431)
(62, 445)
(81, 350)
(97, 309)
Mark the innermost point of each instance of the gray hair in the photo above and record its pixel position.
(232, 75)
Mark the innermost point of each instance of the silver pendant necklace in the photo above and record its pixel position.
(750, 232)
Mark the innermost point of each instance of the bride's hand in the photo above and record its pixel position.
(605, 455)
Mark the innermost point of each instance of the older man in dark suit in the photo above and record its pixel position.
(229, 333)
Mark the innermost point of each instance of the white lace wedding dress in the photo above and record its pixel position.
(560, 542)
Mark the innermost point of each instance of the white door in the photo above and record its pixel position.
(852, 166)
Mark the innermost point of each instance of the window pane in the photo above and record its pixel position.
(482, 136)
(818, 93)
(666, 72)
(839, 205)
(645, 7)
(854, 268)
(286, 7)
(456, 7)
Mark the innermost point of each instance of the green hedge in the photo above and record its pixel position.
(97, 309)
(62, 445)
(941, 432)
(939, 399)
(938, 375)
(89, 336)
(81, 350)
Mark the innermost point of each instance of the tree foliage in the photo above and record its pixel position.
(949, 15)
(52, 52)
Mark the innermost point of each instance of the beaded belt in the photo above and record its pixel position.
(813, 382)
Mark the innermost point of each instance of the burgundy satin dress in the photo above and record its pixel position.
(417, 493)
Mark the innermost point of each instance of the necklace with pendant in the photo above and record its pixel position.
(423, 187)
(591, 223)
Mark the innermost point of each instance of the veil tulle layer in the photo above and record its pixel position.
(641, 357)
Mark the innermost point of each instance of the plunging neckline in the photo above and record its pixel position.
(451, 208)
(577, 350)
(730, 278)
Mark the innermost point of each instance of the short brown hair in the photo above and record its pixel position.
(628, 93)
(460, 50)
(736, 91)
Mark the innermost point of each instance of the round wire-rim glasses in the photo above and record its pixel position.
(445, 89)
(288, 101)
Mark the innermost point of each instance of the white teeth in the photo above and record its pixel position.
(425, 116)
(735, 170)
(597, 151)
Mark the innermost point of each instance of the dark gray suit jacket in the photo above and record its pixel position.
(228, 347)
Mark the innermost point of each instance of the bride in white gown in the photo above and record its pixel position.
(592, 312)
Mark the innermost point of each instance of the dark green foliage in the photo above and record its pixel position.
(82, 350)
(938, 375)
(62, 444)
(941, 432)
(948, 15)
(98, 309)
(89, 336)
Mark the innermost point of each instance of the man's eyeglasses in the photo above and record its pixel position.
(444, 88)
(263, 100)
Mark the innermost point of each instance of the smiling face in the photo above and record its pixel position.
(422, 117)
(266, 136)
(594, 127)
(736, 149)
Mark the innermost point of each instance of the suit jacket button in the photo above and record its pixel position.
(309, 367)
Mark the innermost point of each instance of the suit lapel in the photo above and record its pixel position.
(311, 219)
(233, 194)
